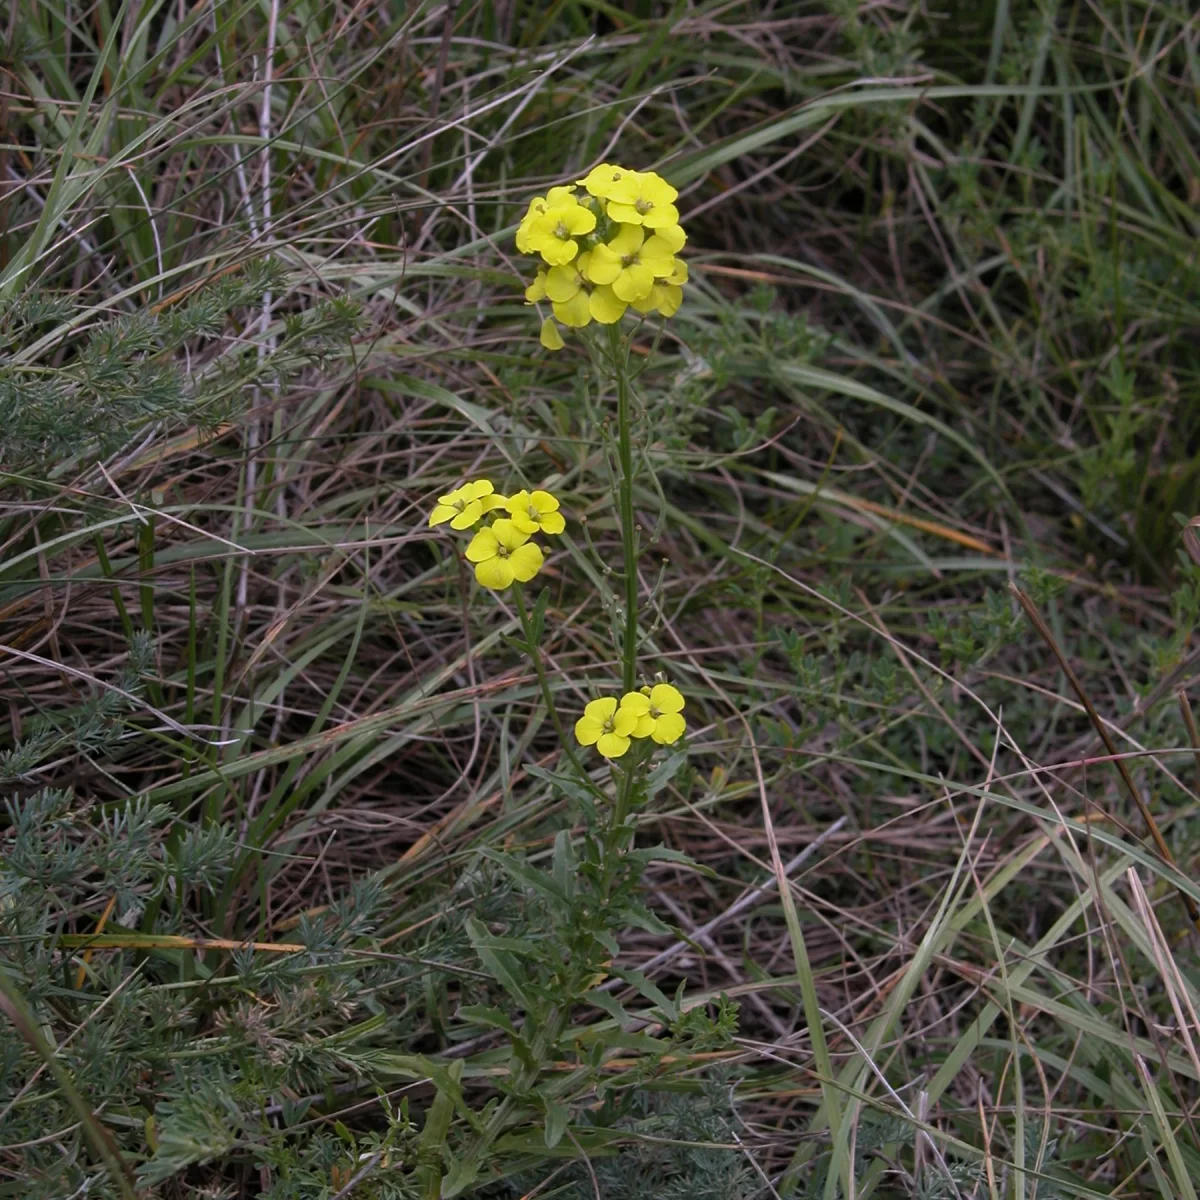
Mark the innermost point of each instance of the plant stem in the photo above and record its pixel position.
(620, 367)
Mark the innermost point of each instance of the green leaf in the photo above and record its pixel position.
(504, 968)
(565, 863)
(648, 988)
(665, 772)
(608, 1003)
(485, 1014)
(557, 1118)
(562, 783)
(522, 872)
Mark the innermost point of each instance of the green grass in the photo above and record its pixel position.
(269, 741)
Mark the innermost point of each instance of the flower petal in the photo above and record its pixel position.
(537, 289)
(612, 745)
(606, 180)
(624, 722)
(670, 727)
(636, 703)
(575, 311)
(588, 730)
(543, 502)
(508, 535)
(666, 699)
(562, 283)
(656, 189)
(644, 727)
(626, 214)
(673, 235)
(605, 307)
(442, 512)
(526, 561)
(660, 215)
(600, 710)
(482, 546)
(634, 282)
(550, 337)
(603, 265)
(579, 219)
(556, 253)
(470, 514)
(658, 256)
(553, 522)
(478, 488)
(629, 240)
(495, 573)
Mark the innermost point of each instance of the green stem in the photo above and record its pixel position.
(620, 367)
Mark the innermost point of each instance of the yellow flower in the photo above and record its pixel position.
(532, 512)
(631, 263)
(657, 712)
(552, 233)
(466, 504)
(502, 553)
(645, 199)
(550, 337)
(538, 206)
(606, 727)
(608, 182)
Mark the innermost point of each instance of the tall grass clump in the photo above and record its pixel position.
(599, 601)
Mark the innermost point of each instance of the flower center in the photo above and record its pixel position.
(644, 206)
(608, 726)
(629, 260)
(562, 232)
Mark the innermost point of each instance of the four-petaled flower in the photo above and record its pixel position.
(466, 504)
(631, 263)
(643, 198)
(552, 232)
(502, 553)
(606, 727)
(534, 512)
(657, 712)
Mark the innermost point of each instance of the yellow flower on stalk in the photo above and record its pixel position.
(502, 553)
(631, 263)
(535, 512)
(466, 504)
(657, 713)
(643, 198)
(552, 233)
(606, 727)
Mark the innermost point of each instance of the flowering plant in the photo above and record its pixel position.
(609, 249)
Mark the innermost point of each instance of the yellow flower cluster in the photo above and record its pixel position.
(612, 249)
(654, 712)
(501, 552)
